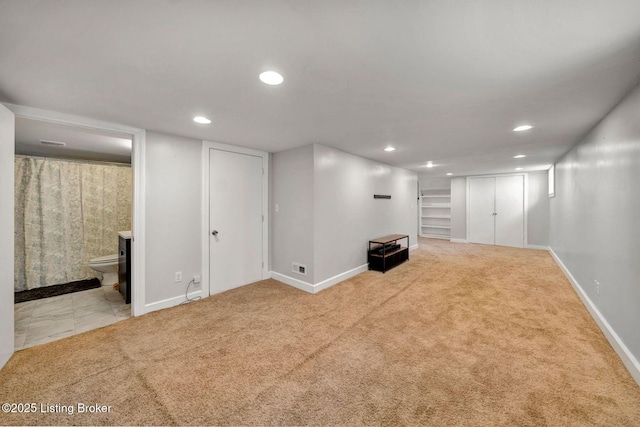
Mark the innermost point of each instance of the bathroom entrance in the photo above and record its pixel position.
(73, 207)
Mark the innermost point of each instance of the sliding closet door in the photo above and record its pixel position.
(510, 211)
(481, 210)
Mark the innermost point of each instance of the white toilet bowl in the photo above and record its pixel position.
(108, 266)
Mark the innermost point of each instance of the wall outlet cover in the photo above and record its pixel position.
(178, 276)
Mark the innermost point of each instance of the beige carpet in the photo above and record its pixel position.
(460, 335)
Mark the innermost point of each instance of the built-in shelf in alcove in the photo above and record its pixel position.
(435, 213)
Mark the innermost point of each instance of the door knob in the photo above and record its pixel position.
(214, 232)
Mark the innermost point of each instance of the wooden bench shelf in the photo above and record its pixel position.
(389, 258)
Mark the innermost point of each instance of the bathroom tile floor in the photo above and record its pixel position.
(49, 319)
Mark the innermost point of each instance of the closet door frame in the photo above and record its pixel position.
(525, 195)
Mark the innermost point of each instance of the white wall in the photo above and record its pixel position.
(292, 226)
(346, 215)
(428, 182)
(595, 218)
(7, 153)
(538, 214)
(173, 215)
(459, 208)
(327, 212)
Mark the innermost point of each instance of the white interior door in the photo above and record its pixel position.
(510, 211)
(235, 220)
(481, 210)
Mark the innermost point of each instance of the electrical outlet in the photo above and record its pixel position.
(597, 284)
(299, 268)
(178, 276)
(196, 281)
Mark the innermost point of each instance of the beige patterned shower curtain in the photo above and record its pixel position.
(66, 213)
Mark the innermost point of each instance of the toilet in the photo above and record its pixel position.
(108, 266)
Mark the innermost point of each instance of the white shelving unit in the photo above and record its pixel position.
(435, 213)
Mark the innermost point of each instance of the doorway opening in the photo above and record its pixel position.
(78, 196)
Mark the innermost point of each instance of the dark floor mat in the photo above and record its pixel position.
(55, 290)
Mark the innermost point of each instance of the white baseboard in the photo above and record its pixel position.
(296, 283)
(542, 248)
(628, 359)
(171, 302)
(314, 289)
(412, 248)
(340, 277)
(539, 247)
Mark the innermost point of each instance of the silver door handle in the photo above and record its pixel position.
(214, 232)
(495, 214)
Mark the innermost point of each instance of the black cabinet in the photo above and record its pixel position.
(386, 252)
(124, 268)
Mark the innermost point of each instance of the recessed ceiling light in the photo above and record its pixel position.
(518, 169)
(429, 164)
(271, 78)
(201, 120)
(520, 156)
(449, 174)
(521, 128)
(48, 142)
(390, 148)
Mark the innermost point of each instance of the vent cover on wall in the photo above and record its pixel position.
(47, 142)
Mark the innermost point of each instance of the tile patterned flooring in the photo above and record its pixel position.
(49, 319)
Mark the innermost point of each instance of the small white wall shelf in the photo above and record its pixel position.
(435, 213)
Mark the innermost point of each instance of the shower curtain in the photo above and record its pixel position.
(66, 213)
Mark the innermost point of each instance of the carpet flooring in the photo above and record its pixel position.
(55, 290)
(460, 334)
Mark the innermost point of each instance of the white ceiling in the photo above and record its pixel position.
(442, 80)
(80, 143)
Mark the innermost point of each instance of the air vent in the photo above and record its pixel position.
(57, 143)
(299, 268)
